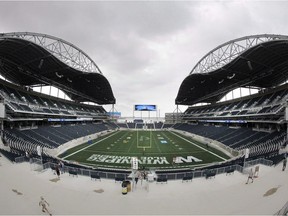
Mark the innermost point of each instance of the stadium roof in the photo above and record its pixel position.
(33, 59)
(259, 61)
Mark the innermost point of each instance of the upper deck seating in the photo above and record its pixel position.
(23, 101)
(260, 105)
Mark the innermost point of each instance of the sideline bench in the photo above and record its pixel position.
(210, 175)
(73, 173)
(161, 180)
(187, 178)
(119, 179)
(230, 171)
(95, 177)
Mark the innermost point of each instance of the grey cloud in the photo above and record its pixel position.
(146, 48)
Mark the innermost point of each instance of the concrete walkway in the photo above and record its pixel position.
(21, 188)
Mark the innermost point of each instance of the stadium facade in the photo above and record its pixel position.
(258, 62)
(29, 60)
(31, 120)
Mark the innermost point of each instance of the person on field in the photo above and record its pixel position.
(284, 164)
(57, 170)
(250, 176)
(43, 204)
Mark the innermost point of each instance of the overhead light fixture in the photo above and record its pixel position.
(59, 75)
(249, 65)
(231, 77)
(20, 69)
(40, 63)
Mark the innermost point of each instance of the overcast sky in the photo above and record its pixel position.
(146, 48)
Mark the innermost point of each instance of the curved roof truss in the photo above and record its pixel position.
(31, 59)
(225, 53)
(61, 49)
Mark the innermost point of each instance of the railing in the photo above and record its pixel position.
(88, 172)
(258, 161)
(20, 159)
(200, 173)
(170, 176)
(105, 173)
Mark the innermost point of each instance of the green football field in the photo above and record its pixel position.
(153, 149)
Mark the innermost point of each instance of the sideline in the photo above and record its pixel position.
(198, 146)
(89, 145)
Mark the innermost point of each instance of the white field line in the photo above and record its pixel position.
(198, 146)
(156, 144)
(142, 146)
(90, 145)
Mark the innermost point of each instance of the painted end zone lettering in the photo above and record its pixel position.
(189, 159)
(143, 160)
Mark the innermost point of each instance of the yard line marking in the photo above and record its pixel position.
(132, 144)
(156, 144)
(90, 145)
(198, 146)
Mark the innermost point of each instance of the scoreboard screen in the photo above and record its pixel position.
(143, 107)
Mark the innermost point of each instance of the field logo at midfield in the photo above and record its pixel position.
(142, 160)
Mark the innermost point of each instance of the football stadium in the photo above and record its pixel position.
(202, 155)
